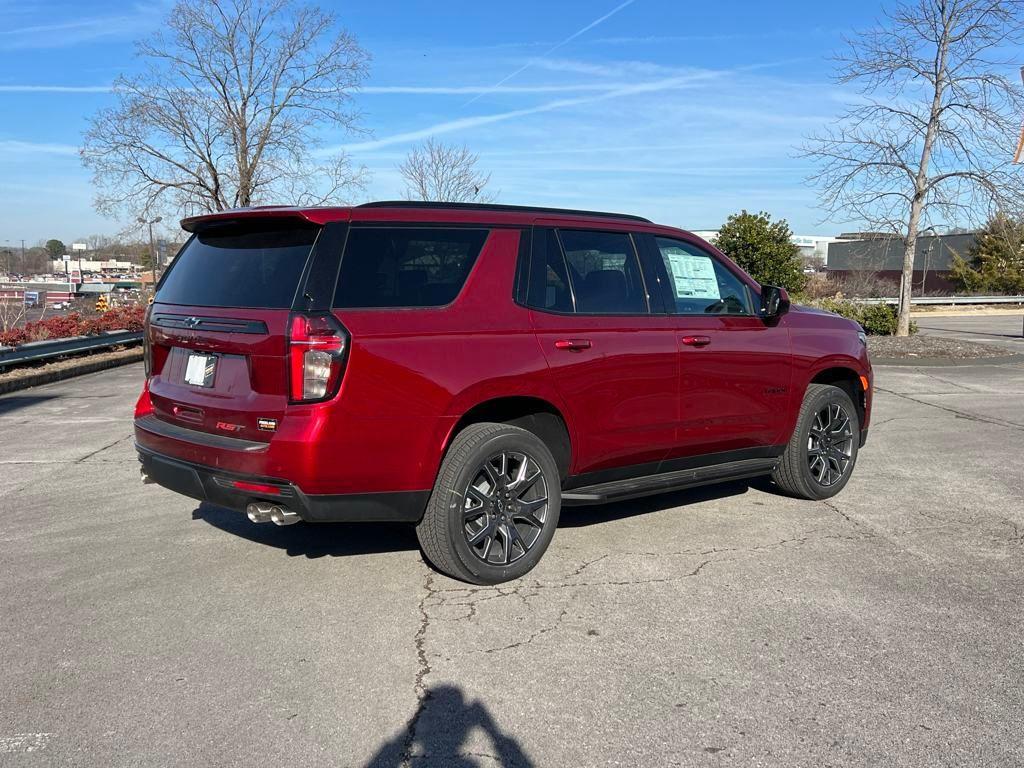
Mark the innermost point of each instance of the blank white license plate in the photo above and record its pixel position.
(200, 370)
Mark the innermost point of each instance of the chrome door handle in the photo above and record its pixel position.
(696, 341)
(573, 345)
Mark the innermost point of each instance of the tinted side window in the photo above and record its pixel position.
(405, 267)
(604, 272)
(249, 265)
(549, 282)
(699, 283)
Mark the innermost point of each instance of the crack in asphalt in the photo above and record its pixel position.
(104, 448)
(419, 685)
(855, 523)
(945, 381)
(955, 412)
(533, 636)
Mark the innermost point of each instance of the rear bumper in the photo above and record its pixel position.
(216, 486)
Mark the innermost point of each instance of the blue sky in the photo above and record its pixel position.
(680, 111)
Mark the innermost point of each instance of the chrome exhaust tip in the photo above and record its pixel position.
(283, 516)
(146, 479)
(259, 513)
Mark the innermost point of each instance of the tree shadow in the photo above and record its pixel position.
(956, 331)
(437, 734)
(12, 403)
(313, 540)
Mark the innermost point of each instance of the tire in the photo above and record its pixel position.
(815, 467)
(490, 519)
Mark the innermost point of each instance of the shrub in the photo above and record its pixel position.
(73, 324)
(875, 319)
(863, 284)
(13, 337)
(818, 286)
(764, 249)
(878, 319)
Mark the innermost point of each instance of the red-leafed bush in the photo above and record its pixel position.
(59, 327)
(73, 324)
(13, 337)
(121, 318)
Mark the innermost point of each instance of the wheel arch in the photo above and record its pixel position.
(848, 379)
(534, 414)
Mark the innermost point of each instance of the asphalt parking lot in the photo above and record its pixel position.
(728, 625)
(1002, 330)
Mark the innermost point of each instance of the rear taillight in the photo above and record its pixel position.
(317, 345)
(147, 347)
(144, 405)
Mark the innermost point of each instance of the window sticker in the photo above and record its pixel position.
(693, 276)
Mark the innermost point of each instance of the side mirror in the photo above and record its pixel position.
(774, 301)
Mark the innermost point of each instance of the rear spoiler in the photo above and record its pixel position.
(318, 216)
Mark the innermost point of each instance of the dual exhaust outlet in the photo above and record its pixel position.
(262, 512)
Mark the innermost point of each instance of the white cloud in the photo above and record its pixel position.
(457, 90)
(564, 42)
(18, 148)
(465, 123)
(69, 32)
(56, 88)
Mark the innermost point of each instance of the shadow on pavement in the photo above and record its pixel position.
(437, 735)
(957, 331)
(12, 403)
(313, 540)
(343, 539)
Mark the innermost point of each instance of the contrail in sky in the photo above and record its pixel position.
(554, 48)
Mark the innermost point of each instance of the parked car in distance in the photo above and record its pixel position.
(473, 369)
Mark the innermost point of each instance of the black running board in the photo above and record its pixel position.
(620, 490)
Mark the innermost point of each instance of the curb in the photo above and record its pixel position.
(124, 357)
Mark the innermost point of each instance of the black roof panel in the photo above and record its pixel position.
(499, 208)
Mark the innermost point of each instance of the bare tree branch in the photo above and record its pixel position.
(444, 173)
(934, 133)
(228, 112)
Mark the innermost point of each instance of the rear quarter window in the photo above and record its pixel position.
(406, 266)
(255, 265)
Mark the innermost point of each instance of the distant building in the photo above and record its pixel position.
(811, 246)
(882, 255)
(93, 265)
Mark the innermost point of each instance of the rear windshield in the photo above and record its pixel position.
(256, 266)
(406, 267)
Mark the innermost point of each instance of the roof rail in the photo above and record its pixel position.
(498, 208)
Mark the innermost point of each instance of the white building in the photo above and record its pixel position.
(92, 265)
(811, 246)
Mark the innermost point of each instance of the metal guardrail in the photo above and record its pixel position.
(948, 300)
(45, 350)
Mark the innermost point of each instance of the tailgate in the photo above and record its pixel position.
(218, 329)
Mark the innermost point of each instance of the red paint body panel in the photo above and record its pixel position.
(638, 394)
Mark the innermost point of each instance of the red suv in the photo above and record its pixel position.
(472, 369)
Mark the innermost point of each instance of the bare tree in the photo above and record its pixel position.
(12, 312)
(444, 173)
(933, 133)
(228, 112)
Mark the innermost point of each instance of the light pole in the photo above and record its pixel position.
(152, 247)
(927, 254)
